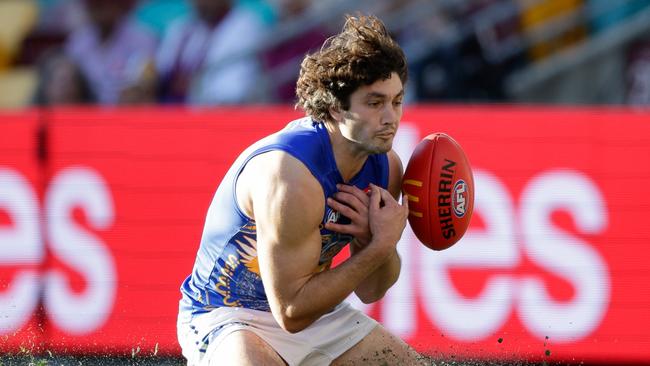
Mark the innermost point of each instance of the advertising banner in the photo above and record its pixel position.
(21, 248)
(101, 212)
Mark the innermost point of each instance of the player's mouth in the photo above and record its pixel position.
(385, 135)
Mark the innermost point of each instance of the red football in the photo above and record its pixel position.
(440, 187)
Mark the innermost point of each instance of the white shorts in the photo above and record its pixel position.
(319, 344)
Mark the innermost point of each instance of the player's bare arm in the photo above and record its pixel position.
(288, 208)
(353, 203)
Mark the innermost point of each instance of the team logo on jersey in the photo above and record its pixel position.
(332, 216)
(248, 253)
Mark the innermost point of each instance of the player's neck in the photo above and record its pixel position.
(349, 158)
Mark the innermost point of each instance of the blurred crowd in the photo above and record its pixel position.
(216, 52)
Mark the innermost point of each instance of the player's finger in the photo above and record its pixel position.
(341, 228)
(342, 208)
(388, 198)
(351, 200)
(375, 196)
(354, 190)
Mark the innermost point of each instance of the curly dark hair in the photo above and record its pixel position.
(361, 54)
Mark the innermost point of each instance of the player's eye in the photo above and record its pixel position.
(375, 104)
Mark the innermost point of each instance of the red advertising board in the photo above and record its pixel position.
(553, 266)
(21, 248)
(147, 177)
(555, 261)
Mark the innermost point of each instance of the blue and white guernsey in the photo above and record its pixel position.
(226, 271)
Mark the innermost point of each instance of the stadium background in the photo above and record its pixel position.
(101, 204)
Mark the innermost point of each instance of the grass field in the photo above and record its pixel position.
(30, 360)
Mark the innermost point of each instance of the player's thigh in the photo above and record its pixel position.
(380, 347)
(243, 347)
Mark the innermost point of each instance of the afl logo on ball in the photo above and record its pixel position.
(458, 198)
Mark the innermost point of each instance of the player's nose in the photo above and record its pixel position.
(390, 115)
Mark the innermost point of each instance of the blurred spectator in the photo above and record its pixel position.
(56, 19)
(263, 8)
(114, 53)
(60, 82)
(60, 16)
(474, 66)
(284, 57)
(638, 73)
(606, 13)
(158, 15)
(17, 82)
(17, 17)
(210, 56)
(552, 25)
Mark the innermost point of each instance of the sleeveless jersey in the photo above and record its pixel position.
(226, 271)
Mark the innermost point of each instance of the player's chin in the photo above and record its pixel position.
(381, 148)
(383, 145)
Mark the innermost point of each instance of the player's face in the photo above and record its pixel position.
(374, 114)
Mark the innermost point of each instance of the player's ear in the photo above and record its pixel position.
(336, 113)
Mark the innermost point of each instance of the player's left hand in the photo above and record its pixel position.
(353, 203)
